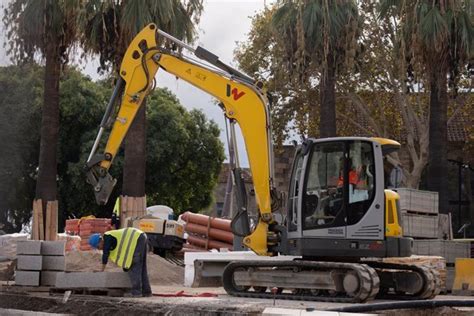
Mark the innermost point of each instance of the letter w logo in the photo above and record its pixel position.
(235, 93)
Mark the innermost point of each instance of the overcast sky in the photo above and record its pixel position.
(223, 23)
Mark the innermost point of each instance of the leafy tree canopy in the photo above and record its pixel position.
(184, 153)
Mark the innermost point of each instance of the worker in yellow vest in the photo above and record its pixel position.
(127, 247)
(115, 220)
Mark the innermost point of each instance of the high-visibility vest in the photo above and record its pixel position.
(117, 207)
(127, 239)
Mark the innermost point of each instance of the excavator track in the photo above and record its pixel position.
(302, 280)
(425, 283)
(330, 281)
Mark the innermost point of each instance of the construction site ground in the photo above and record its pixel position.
(167, 279)
(222, 304)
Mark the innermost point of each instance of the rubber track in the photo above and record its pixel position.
(369, 281)
(430, 277)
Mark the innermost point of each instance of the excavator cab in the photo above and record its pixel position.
(337, 198)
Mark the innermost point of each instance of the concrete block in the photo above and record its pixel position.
(28, 278)
(28, 247)
(53, 248)
(26, 262)
(55, 263)
(48, 278)
(65, 280)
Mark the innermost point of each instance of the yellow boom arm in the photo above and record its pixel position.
(242, 100)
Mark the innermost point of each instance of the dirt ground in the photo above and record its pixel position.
(167, 280)
(160, 271)
(202, 306)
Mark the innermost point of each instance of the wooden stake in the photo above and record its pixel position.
(129, 206)
(34, 225)
(40, 220)
(123, 206)
(54, 220)
(47, 235)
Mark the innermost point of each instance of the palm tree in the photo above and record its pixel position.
(46, 29)
(109, 27)
(438, 41)
(319, 36)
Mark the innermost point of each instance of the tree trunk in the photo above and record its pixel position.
(327, 120)
(438, 154)
(135, 156)
(46, 186)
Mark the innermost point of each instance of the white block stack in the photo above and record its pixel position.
(39, 262)
(29, 263)
(419, 213)
(54, 261)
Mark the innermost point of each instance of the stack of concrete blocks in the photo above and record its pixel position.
(30, 263)
(54, 261)
(449, 249)
(39, 262)
(419, 213)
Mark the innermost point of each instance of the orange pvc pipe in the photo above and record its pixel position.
(201, 219)
(198, 241)
(214, 233)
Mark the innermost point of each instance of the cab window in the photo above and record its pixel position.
(324, 187)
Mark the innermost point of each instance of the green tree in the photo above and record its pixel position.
(109, 27)
(20, 105)
(184, 151)
(437, 40)
(45, 28)
(184, 154)
(320, 38)
(184, 157)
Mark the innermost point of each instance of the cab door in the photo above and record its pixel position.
(324, 193)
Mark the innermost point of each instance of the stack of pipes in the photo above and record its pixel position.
(205, 232)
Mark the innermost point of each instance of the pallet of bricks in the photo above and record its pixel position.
(419, 213)
(86, 227)
(430, 230)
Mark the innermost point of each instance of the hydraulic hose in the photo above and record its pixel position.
(404, 305)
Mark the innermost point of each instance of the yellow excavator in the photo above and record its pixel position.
(339, 219)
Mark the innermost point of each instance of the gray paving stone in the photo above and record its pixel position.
(55, 263)
(28, 278)
(66, 280)
(53, 248)
(48, 278)
(28, 247)
(29, 262)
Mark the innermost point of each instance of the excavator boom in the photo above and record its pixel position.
(241, 98)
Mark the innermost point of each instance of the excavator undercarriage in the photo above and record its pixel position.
(330, 281)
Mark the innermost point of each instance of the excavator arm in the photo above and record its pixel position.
(241, 98)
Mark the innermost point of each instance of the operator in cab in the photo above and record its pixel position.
(126, 247)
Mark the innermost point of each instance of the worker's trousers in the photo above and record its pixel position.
(138, 272)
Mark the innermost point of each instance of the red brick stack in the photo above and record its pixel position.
(72, 227)
(86, 227)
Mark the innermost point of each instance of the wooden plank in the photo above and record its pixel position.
(34, 226)
(122, 211)
(129, 206)
(54, 220)
(141, 211)
(48, 221)
(40, 220)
